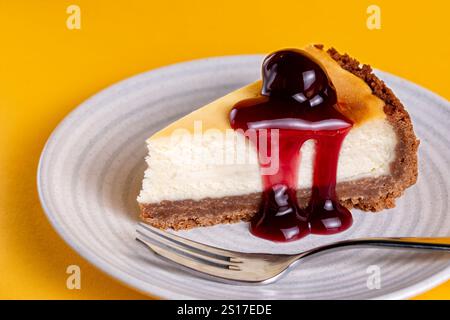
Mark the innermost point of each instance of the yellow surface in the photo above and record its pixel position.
(47, 69)
(354, 96)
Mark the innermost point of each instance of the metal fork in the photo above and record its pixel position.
(257, 268)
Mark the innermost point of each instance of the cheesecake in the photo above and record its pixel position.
(204, 170)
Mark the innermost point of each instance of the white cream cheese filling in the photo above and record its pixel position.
(217, 165)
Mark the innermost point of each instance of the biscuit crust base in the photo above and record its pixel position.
(371, 194)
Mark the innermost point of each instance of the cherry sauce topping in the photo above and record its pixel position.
(297, 103)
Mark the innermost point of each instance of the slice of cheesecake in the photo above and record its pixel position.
(201, 172)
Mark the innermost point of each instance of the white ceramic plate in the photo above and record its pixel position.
(92, 166)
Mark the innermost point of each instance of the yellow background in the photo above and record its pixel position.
(46, 70)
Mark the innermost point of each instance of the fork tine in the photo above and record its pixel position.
(193, 245)
(181, 249)
(219, 271)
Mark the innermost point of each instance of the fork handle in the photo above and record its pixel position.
(436, 244)
(415, 243)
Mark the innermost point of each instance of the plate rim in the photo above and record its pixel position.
(149, 288)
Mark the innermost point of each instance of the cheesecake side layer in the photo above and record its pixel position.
(404, 169)
(222, 165)
(370, 194)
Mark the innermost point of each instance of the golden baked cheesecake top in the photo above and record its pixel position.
(356, 100)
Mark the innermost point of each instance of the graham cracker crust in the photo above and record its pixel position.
(371, 194)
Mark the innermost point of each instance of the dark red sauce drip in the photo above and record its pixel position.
(297, 104)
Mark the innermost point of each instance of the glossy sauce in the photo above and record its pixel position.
(297, 103)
